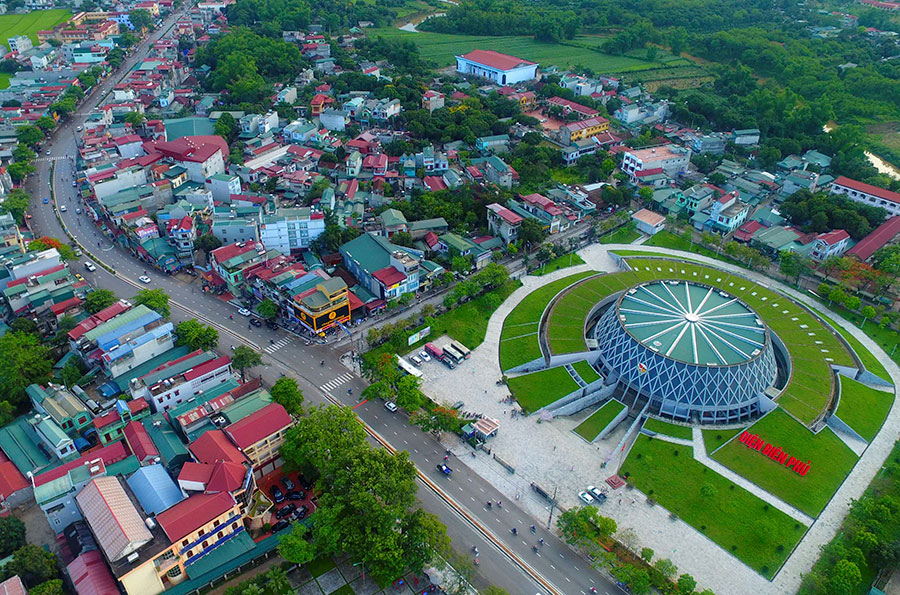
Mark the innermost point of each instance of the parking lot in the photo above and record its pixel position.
(294, 494)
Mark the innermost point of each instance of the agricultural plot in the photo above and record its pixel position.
(30, 23)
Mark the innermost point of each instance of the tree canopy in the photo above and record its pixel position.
(196, 335)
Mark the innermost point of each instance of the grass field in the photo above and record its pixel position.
(863, 408)
(599, 419)
(667, 239)
(538, 389)
(29, 24)
(444, 47)
(757, 534)
(560, 262)
(713, 439)
(661, 427)
(830, 462)
(624, 235)
(518, 340)
(4, 79)
(587, 373)
(886, 338)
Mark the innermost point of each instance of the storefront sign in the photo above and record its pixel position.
(754, 442)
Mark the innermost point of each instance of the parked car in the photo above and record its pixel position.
(415, 359)
(390, 406)
(90, 266)
(74, 184)
(285, 510)
(144, 279)
(79, 277)
(458, 405)
(255, 322)
(597, 493)
(301, 512)
(280, 526)
(586, 498)
(425, 357)
(296, 495)
(277, 495)
(287, 483)
(244, 312)
(446, 361)
(304, 483)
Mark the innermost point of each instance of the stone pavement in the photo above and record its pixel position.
(553, 456)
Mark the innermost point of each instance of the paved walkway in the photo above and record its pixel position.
(701, 457)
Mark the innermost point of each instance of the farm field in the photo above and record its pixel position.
(443, 47)
(759, 535)
(29, 24)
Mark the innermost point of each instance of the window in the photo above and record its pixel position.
(216, 523)
(234, 526)
(205, 544)
(220, 534)
(190, 553)
(184, 543)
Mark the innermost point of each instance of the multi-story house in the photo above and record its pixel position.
(867, 194)
(503, 222)
(260, 435)
(59, 403)
(670, 159)
(583, 129)
(832, 243)
(291, 230)
(384, 269)
(320, 303)
(229, 263)
(110, 425)
(582, 112)
(181, 379)
(726, 214)
(432, 100)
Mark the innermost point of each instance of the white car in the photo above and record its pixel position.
(390, 406)
(90, 266)
(586, 498)
(74, 184)
(596, 492)
(244, 312)
(144, 279)
(63, 208)
(425, 357)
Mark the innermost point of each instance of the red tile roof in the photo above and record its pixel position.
(61, 307)
(110, 417)
(389, 276)
(91, 576)
(876, 240)
(205, 368)
(189, 515)
(544, 203)
(135, 406)
(496, 59)
(231, 250)
(214, 446)
(867, 189)
(745, 232)
(575, 107)
(226, 477)
(435, 183)
(11, 479)
(196, 472)
(259, 425)
(139, 440)
(833, 237)
(596, 121)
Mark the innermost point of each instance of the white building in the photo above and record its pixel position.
(670, 159)
(291, 230)
(223, 186)
(867, 194)
(334, 120)
(832, 243)
(648, 222)
(503, 69)
(19, 43)
(181, 379)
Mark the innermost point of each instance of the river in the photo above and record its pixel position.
(877, 162)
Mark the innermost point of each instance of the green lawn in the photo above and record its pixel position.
(886, 338)
(759, 535)
(633, 253)
(29, 24)
(320, 566)
(863, 408)
(444, 47)
(661, 427)
(830, 462)
(519, 340)
(4, 79)
(586, 371)
(667, 239)
(599, 419)
(538, 389)
(560, 262)
(713, 439)
(624, 235)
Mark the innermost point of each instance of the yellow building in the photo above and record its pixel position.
(324, 305)
(260, 435)
(576, 131)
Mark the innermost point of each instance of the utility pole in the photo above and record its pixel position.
(552, 506)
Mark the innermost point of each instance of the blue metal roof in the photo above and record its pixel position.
(154, 489)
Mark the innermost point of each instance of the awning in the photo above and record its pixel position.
(355, 302)
(376, 305)
(212, 277)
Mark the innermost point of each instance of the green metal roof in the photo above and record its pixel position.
(117, 322)
(392, 217)
(692, 323)
(247, 405)
(164, 438)
(16, 442)
(167, 356)
(180, 127)
(126, 466)
(179, 368)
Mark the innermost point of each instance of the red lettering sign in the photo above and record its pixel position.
(754, 442)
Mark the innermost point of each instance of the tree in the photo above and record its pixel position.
(22, 153)
(23, 361)
(867, 313)
(29, 135)
(134, 118)
(793, 265)
(402, 238)
(408, 394)
(666, 567)
(583, 525)
(843, 578)
(647, 554)
(12, 534)
(267, 309)
(141, 19)
(295, 547)
(837, 296)
(98, 300)
(70, 374)
(52, 587)
(23, 324)
(196, 335)
(531, 232)
(45, 123)
(686, 584)
(207, 243)
(16, 203)
(155, 299)
(226, 127)
(460, 264)
(34, 565)
(852, 302)
(286, 393)
(244, 357)
(20, 170)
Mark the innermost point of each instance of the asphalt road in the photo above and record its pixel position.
(459, 501)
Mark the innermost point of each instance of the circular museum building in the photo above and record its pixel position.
(698, 354)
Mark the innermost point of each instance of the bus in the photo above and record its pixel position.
(453, 354)
(408, 367)
(461, 349)
(434, 350)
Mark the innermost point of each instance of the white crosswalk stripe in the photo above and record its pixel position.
(59, 158)
(277, 345)
(336, 382)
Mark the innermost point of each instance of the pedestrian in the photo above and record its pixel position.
(554, 447)
(620, 501)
